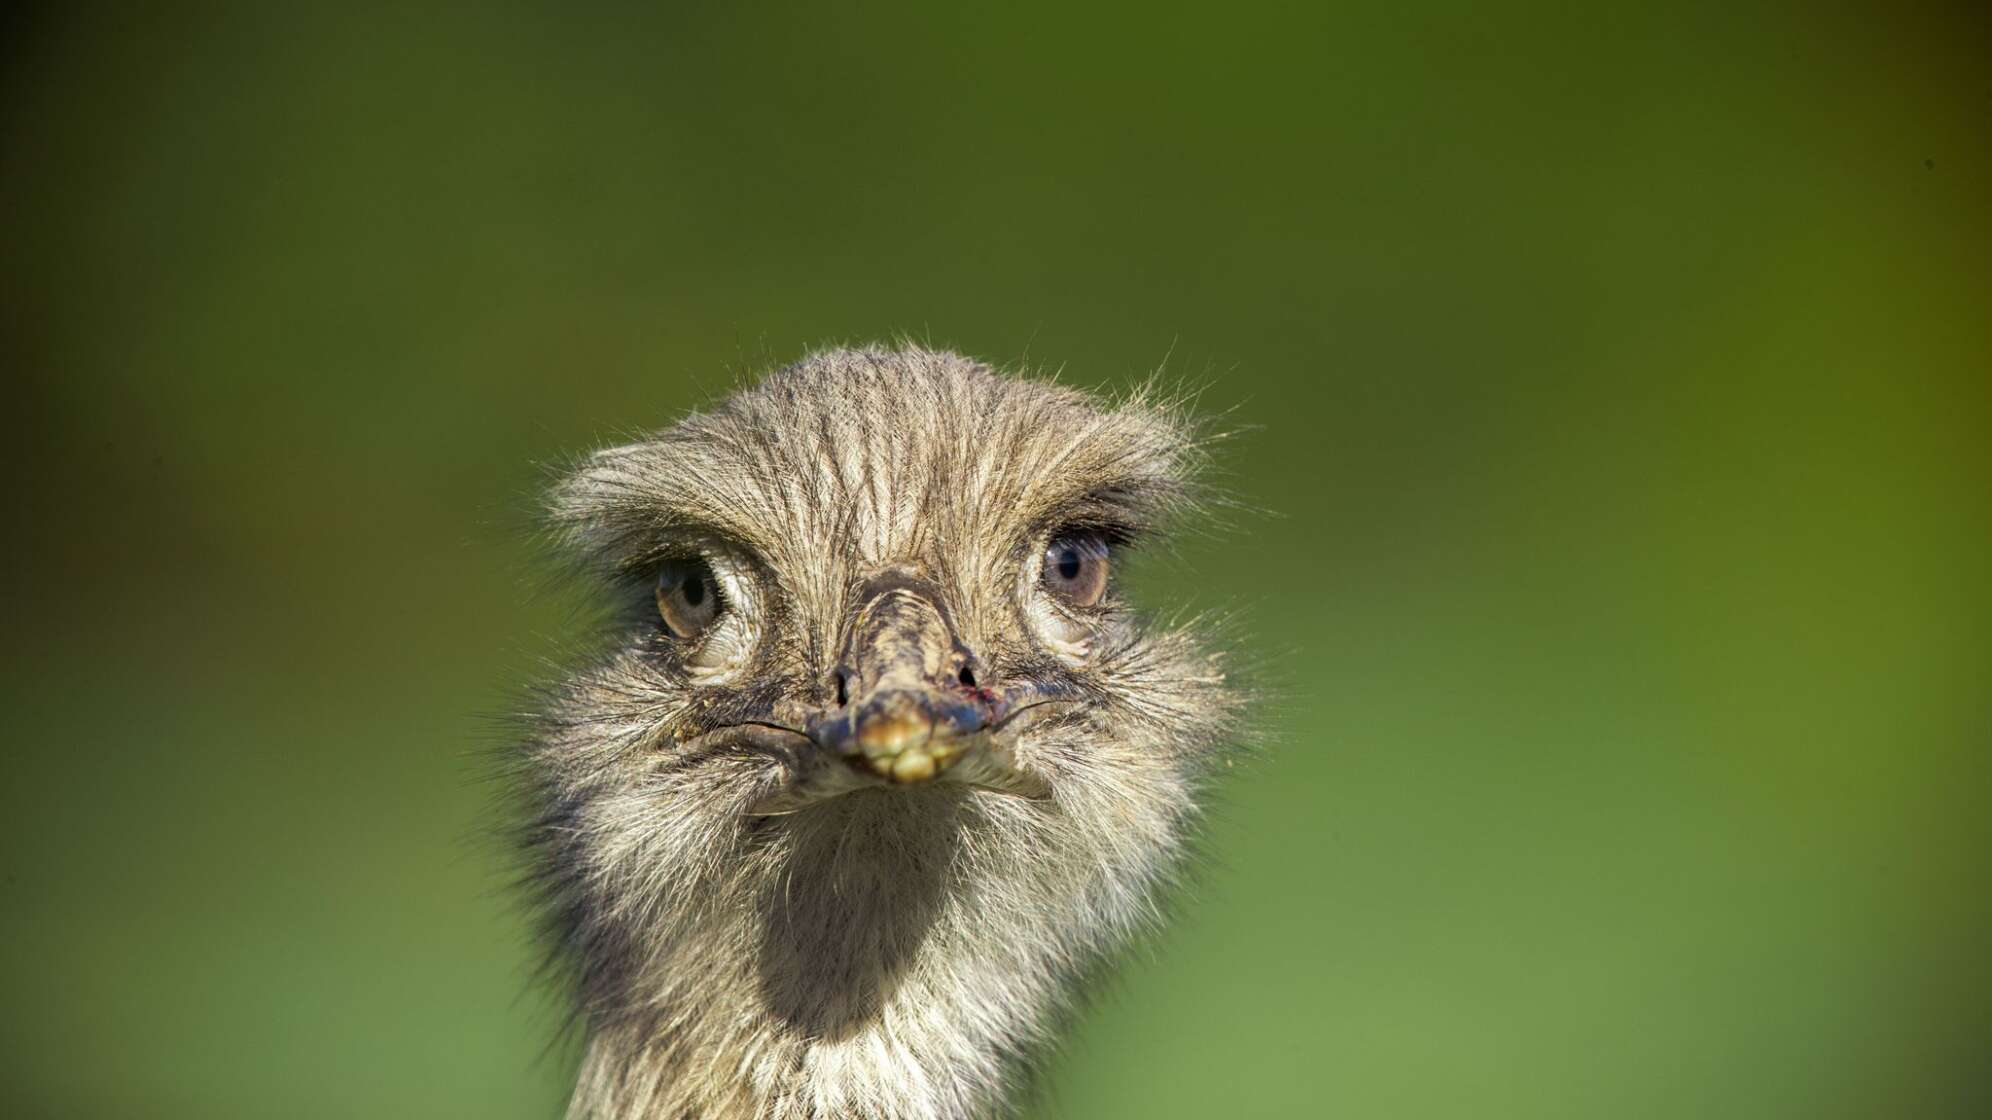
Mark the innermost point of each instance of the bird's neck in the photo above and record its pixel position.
(876, 957)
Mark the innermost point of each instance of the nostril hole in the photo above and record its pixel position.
(966, 677)
(843, 690)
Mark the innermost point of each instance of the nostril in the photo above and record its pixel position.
(966, 677)
(843, 688)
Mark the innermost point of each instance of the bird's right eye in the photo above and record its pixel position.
(687, 597)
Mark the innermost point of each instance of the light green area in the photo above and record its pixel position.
(1614, 383)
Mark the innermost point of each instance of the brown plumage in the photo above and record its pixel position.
(880, 764)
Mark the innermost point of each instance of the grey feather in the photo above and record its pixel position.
(758, 930)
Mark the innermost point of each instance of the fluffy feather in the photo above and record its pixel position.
(890, 953)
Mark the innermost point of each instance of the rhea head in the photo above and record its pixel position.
(880, 761)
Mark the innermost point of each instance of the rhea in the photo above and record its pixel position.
(879, 765)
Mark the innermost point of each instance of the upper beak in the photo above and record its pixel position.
(909, 711)
(912, 707)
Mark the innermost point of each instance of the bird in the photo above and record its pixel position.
(875, 767)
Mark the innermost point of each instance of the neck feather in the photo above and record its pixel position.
(890, 954)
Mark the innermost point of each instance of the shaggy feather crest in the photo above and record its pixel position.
(890, 953)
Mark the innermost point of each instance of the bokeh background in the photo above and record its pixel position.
(1613, 383)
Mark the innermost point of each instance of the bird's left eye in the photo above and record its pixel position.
(687, 597)
(1075, 568)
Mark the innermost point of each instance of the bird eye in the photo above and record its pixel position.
(1075, 568)
(687, 597)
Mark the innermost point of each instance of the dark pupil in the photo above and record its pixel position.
(1068, 564)
(693, 590)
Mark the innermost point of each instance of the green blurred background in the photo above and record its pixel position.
(1617, 384)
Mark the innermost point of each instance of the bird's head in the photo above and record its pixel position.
(873, 643)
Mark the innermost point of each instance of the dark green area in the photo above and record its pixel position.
(1617, 381)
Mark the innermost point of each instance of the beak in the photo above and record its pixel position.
(908, 706)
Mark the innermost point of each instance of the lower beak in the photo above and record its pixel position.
(906, 736)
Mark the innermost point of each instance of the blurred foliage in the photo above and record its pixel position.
(1616, 381)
